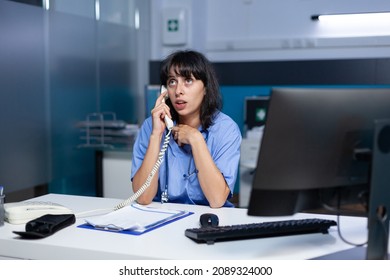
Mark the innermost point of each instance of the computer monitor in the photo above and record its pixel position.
(255, 111)
(316, 151)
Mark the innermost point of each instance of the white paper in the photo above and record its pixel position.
(134, 217)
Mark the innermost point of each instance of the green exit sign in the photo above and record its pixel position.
(260, 114)
(173, 25)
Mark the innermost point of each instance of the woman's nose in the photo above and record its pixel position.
(179, 89)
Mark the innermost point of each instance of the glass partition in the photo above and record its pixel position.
(58, 66)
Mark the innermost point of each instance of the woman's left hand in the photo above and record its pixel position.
(185, 134)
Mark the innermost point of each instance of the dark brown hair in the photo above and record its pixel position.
(188, 63)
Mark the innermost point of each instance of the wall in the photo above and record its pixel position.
(57, 66)
(277, 43)
(23, 114)
(257, 44)
(46, 86)
(259, 30)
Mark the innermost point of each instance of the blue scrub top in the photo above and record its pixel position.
(177, 172)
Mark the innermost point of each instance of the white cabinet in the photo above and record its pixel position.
(116, 174)
(249, 153)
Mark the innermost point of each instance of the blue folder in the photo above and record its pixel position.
(139, 231)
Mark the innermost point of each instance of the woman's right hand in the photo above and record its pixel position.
(158, 113)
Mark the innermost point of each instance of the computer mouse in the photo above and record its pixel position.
(208, 220)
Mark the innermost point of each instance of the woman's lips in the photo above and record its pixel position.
(180, 105)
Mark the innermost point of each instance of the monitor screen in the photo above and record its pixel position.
(255, 111)
(313, 151)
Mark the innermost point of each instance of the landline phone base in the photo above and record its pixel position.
(25, 211)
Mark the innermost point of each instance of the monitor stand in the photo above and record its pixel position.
(356, 253)
(379, 203)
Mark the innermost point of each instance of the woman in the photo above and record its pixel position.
(201, 162)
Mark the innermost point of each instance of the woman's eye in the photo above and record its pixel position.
(189, 81)
(171, 82)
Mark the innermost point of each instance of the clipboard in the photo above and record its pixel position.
(134, 219)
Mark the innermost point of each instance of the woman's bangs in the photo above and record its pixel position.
(183, 70)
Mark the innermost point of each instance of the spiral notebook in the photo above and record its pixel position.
(134, 219)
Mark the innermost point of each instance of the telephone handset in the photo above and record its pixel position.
(168, 121)
(134, 197)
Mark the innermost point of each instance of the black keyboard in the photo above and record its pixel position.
(259, 230)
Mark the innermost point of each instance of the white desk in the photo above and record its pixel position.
(169, 242)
